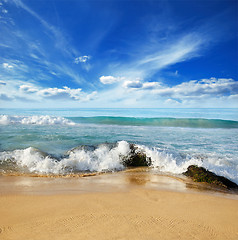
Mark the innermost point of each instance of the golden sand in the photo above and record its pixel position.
(113, 206)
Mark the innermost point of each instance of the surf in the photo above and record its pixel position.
(108, 157)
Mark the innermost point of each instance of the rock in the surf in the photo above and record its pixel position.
(200, 174)
(136, 158)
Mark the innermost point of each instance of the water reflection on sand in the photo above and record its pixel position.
(107, 182)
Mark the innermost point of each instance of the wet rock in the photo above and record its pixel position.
(200, 174)
(136, 158)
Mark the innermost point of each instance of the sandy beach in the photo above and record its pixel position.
(113, 206)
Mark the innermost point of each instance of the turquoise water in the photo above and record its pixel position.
(161, 122)
(36, 140)
(206, 113)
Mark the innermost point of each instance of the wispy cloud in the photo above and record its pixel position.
(61, 42)
(44, 58)
(152, 59)
(170, 44)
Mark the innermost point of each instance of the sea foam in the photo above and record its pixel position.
(108, 157)
(36, 120)
(103, 158)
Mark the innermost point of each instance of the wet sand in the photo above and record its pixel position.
(126, 205)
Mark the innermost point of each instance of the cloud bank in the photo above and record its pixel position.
(195, 88)
(23, 91)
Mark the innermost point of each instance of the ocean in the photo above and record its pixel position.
(66, 141)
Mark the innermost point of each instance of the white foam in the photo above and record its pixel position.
(37, 120)
(101, 159)
(31, 159)
(170, 162)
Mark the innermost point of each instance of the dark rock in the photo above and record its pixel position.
(136, 158)
(200, 174)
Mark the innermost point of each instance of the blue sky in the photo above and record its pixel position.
(75, 53)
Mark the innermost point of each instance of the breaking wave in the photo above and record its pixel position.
(36, 120)
(107, 157)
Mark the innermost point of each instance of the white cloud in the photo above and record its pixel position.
(7, 66)
(64, 92)
(22, 91)
(28, 89)
(15, 67)
(206, 87)
(110, 79)
(171, 102)
(151, 85)
(194, 93)
(194, 88)
(137, 84)
(57, 93)
(81, 59)
(213, 92)
(233, 97)
(89, 97)
(132, 84)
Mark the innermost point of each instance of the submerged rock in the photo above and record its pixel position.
(200, 174)
(136, 158)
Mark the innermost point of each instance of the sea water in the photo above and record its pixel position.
(63, 141)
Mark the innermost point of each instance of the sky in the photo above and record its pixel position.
(118, 53)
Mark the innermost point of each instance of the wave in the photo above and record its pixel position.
(80, 159)
(161, 122)
(108, 157)
(126, 121)
(36, 120)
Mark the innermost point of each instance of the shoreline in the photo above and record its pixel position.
(25, 183)
(124, 205)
